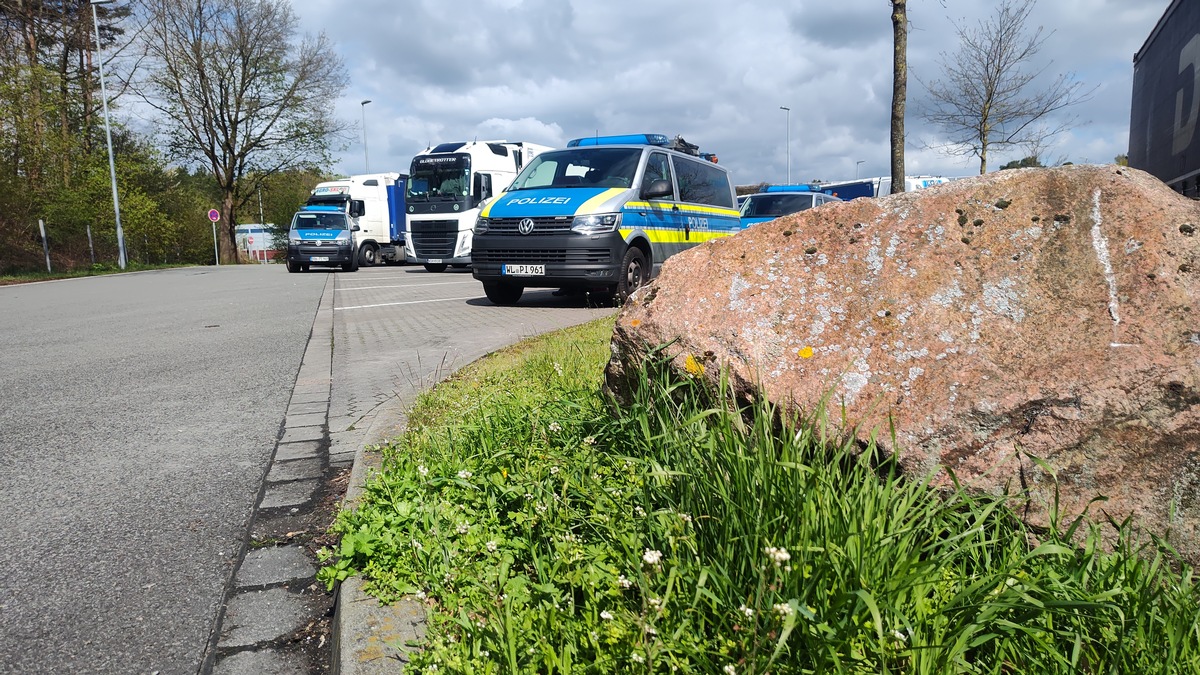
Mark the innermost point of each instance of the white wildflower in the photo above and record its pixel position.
(420, 595)
(553, 470)
(606, 615)
(463, 528)
(422, 470)
(555, 426)
(729, 669)
(637, 658)
(558, 369)
(783, 609)
(747, 611)
(652, 557)
(541, 508)
(623, 582)
(639, 512)
(655, 603)
(902, 637)
(589, 440)
(685, 517)
(464, 474)
(492, 546)
(528, 496)
(778, 556)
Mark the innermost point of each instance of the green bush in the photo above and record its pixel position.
(551, 532)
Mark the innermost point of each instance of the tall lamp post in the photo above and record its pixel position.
(112, 167)
(856, 168)
(788, 123)
(366, 158)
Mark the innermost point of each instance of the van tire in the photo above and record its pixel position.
(435, 267)
(294, 267)
(351, 266)
(504, 295)
(368, 255)
(635, 272)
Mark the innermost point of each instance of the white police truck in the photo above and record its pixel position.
(600, 216)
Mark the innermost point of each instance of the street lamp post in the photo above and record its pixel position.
(366, 158)
(856, 168)
(112, 167)
(788, 122)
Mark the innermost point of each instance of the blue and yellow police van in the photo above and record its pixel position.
(322, 235)
(600, 216)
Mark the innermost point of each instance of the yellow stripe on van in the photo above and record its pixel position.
(678, 236)
(487, 210)
(590, 206)
(687, 208)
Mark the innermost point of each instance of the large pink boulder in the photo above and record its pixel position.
(1037, 313)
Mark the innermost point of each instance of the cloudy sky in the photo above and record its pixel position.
(714, 71)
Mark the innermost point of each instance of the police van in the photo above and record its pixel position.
(600, 216)
(322, 235)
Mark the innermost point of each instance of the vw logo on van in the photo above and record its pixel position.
(525, 226)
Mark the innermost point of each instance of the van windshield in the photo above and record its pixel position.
(319, 221)
(581, 167)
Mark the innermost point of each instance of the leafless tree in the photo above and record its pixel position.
(899, 89)
(988, 98)
(239, 95)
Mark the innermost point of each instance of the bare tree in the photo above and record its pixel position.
(987, 98)
(239, 95)
(899, 89)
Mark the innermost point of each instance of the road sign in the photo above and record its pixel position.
(214, 215)
(250, 240)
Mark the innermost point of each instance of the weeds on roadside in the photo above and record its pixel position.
(689, 532)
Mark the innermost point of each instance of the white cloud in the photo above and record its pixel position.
(715, 72)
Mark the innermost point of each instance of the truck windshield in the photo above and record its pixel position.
(319, 221)
(438, 178)
(581, 167)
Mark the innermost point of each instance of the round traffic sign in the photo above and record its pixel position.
(214, 215)
(250, 240)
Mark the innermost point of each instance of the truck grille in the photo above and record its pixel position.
(433, 238)
(571, 256)
(508, 226)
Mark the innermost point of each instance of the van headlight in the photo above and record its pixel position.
(599, 223)
(481, 225)
(343, 239)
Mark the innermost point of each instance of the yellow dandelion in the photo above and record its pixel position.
(806, 353)
(692, 366)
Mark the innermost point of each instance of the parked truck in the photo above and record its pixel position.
(1163, 138)
(447, 183)
(375, 203)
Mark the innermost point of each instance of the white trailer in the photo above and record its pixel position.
(447, 183)
(375, 202)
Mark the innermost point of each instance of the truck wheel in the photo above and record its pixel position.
(635, 272)
(293, 267)
(504, 295)
(435, 267)
(368, 255)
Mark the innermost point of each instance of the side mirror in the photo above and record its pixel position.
(357, 208)
(355, 228)
(658, 189)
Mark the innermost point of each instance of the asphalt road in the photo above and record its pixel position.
(138, 415)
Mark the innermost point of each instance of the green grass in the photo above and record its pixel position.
(98, 269)
(552, 532)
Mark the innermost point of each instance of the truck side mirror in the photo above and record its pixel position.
(357, 208)
(657, 189)
(485, 186)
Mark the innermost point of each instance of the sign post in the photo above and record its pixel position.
(215, 215)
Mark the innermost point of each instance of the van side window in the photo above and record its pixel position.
(658, 167)
(703, 182)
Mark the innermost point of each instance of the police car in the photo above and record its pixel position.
(600, 216)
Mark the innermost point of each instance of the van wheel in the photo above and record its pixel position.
(435, 267)
(293, 267)
(503, 294)
(351, 266)
(368, 255)
(635, 272)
